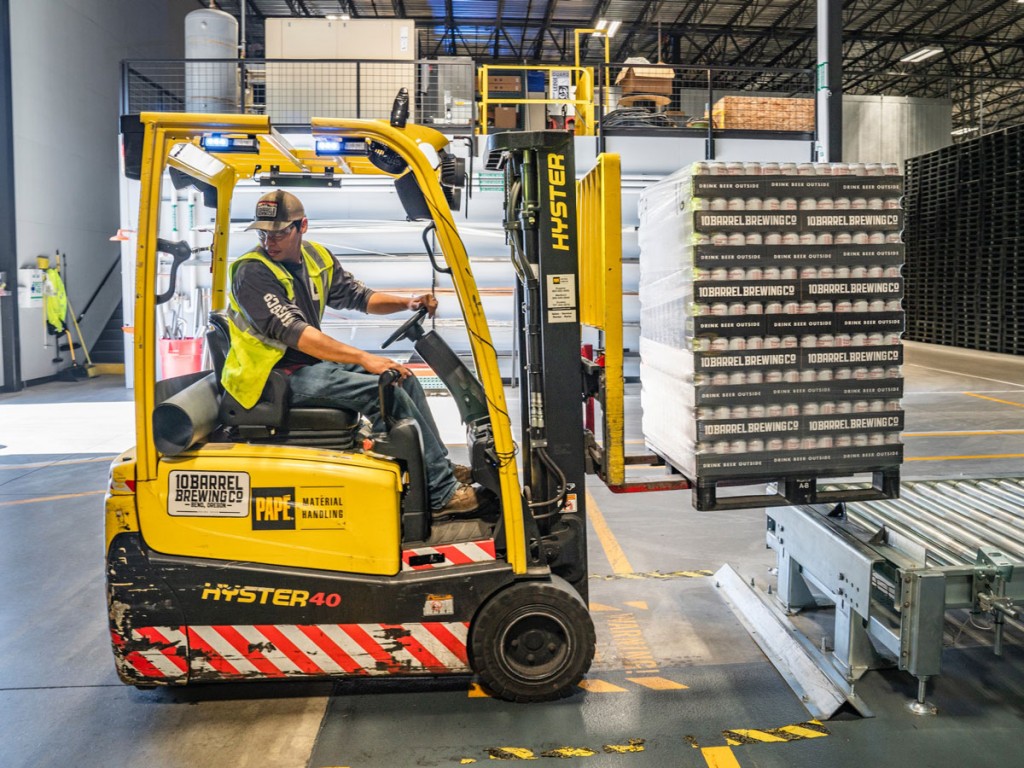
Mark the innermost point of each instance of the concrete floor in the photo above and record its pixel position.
(674, 671)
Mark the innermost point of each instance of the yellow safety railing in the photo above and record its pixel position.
(599, 211)
(581, 77)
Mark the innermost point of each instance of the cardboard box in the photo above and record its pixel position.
(504, 84)
(647, 80)
(505, 117)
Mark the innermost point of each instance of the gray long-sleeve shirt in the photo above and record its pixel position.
(264, 302)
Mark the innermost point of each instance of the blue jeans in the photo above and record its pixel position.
(329, 385)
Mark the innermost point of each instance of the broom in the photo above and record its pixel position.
(89, 370)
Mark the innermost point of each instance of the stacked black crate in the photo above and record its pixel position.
(965, 255)
(771, 320)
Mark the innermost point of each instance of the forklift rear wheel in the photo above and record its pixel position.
(533, 641)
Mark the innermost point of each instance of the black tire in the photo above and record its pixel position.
(533, 641)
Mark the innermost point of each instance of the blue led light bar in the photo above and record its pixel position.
(215, 142)
(340, 146)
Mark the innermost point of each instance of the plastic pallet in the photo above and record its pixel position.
(792, 490)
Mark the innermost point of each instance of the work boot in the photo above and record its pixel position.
(462, 473)
(462, 502)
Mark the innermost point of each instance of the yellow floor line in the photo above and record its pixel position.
(966, 458)
(994, 399)
(719, 757)
(658, 683)
(611, 547)
(50, 498)
(600, 686)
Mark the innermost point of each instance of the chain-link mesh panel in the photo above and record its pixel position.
(292, 91)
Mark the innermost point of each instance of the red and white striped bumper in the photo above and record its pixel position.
(447, 555)
(226, 652)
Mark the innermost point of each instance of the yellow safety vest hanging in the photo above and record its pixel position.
(252, 355)
(55, 301)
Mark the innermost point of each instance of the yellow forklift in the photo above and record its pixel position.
(279, 542)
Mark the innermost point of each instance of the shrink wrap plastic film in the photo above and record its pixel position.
(770, 331)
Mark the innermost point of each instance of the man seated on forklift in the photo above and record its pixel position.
(278, 295)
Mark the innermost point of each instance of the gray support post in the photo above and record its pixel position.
(9, 348)
(830, 81)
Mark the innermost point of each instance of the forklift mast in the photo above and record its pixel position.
(540, 225)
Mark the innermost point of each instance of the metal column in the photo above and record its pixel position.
(9, 347)
(830, 80)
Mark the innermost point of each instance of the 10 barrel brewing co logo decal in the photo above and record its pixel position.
(208, 494)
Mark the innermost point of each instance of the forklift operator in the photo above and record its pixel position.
(278, 295)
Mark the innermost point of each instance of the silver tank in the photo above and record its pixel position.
(211, 86)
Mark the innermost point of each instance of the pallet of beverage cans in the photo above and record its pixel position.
(770, 330)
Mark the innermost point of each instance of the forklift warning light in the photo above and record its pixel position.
(217, 143)
(342, 146)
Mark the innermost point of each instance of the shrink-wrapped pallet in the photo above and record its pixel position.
(771, 319)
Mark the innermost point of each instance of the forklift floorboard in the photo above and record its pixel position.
(676, 681)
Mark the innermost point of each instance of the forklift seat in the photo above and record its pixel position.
(273, 419)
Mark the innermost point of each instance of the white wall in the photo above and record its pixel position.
(889, 129)
(65, 58)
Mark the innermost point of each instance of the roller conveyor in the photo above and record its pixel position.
(893, 568)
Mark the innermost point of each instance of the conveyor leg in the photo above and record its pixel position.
(919, 706)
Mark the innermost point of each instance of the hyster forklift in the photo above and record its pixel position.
(279, 542)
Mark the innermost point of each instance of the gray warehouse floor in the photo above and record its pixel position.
(677, 680)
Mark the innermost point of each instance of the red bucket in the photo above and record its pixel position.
(181, 356)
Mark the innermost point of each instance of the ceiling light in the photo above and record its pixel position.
(613, 28)
(921, 55)
(609, 28)
(601, 24)
(969, 128)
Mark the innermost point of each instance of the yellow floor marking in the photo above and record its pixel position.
(719, 757)
(476, 691)
(611, 547)
(635, 745)
(965, 433)
(597, 607)
(641, 604)
(564, 752)
(994, 399)
(61, 463)
(803, 733)
(467, 760)
(658, 683)
(754, 735)
(600, 686)
(50, 498)
(511, 753)
(965, 458)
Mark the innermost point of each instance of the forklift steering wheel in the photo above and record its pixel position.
(405, 328)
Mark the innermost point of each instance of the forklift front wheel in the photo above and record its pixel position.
(533, 641)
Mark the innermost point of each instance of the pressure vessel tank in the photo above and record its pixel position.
(211, 86)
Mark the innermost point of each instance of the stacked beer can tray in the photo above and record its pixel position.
(771, 320)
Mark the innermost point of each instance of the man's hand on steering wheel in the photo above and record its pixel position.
(426, 300)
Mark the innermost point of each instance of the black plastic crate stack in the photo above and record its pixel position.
(965, 250)
(771, 319)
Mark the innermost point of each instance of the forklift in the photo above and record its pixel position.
(280, 542)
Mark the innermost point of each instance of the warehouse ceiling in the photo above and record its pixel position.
(979, 63)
